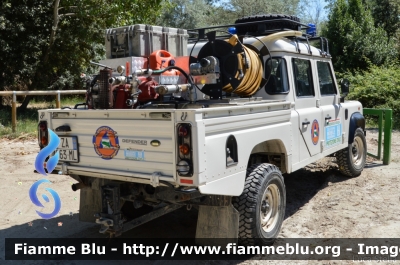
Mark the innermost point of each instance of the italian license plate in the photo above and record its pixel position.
(68, 149)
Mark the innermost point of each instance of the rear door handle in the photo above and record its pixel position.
(306, 122)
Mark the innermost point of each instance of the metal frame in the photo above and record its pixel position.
(385, 122)
(202, 35)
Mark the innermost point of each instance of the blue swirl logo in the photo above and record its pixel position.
(45, 152)
(35, 200)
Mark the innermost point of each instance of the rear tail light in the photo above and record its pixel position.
(44, 141)
(184, 166)
(184, 149)
(183, 131)
(43, 134)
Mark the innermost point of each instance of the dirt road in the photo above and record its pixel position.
(320, 204)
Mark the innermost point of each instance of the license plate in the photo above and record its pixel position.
(68, 149)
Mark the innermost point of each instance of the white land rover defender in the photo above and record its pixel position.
(209, 118)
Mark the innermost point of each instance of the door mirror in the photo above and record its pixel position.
(344, 85)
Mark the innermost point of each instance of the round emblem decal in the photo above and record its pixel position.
(105, 142)
(315, 132)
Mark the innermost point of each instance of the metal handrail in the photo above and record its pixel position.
(57, 93)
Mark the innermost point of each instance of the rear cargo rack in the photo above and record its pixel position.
(209, 33)
(200, 34)
(323, 43)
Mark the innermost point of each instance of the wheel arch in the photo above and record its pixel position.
(357, 120)
(271, 149)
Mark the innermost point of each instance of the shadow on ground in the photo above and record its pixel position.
(301, 187)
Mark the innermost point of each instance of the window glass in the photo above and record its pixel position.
(276, 71)
(303, 78)
(326, 85)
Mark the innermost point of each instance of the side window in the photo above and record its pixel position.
(303, 78)
(276, 70)
(325, 79)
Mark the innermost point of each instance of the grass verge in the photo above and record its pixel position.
(27, 120)
(26, 123)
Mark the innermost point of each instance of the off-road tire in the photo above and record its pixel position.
(263, 201)
(351, 160)
(243, 29)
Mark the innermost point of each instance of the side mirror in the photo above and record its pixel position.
(344, 85)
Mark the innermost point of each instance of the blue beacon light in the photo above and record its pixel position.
(232, 30)
(312, 30)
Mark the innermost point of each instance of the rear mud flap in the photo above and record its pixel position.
(217, 222)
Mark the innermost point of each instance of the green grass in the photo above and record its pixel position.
(27, 121)
(71, 101)
(50, 102)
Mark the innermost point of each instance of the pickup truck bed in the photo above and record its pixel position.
(134, 159)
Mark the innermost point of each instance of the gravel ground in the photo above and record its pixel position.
(321, 203)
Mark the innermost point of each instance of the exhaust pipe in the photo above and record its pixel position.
(78, 186)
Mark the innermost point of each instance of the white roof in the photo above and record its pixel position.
(285, 45)
(278, 45)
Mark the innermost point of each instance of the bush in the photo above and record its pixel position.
(354, 41)
(378, 87)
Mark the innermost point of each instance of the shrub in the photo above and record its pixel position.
(354, 40)
(378, 87)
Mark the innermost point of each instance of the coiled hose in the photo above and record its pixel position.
(252, 74)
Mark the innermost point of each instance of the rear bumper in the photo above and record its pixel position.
(126, 176)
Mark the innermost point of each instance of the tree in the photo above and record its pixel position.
(200, 13)
(243, 8)
(312, 12)
(187, 14)
(355, 41)
(50, 43)
(386, 14)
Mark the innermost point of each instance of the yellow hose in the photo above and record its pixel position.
(251, 81)
(277, 35)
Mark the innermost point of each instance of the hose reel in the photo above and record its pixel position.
(240, 68)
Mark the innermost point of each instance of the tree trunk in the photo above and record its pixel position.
(56, 19)
(25, 103)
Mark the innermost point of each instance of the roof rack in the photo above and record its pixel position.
(263, 28)
(323, 42)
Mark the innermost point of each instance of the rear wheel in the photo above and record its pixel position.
(261, 205)
(351, 160)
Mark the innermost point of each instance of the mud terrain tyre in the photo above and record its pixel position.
(292, 22)
(351, 160)
(262, 205)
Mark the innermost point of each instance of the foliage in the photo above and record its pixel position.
(311, 11)
(200, 13)
(355, 42)
(378, 87)
(243, 8)
(386, 13)
(186, 14)
(47, 44)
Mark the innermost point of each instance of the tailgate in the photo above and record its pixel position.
(118, 142)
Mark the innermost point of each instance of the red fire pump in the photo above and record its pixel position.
(106, 91)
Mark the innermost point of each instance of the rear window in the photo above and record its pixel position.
(276, 70)
(325, 79)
